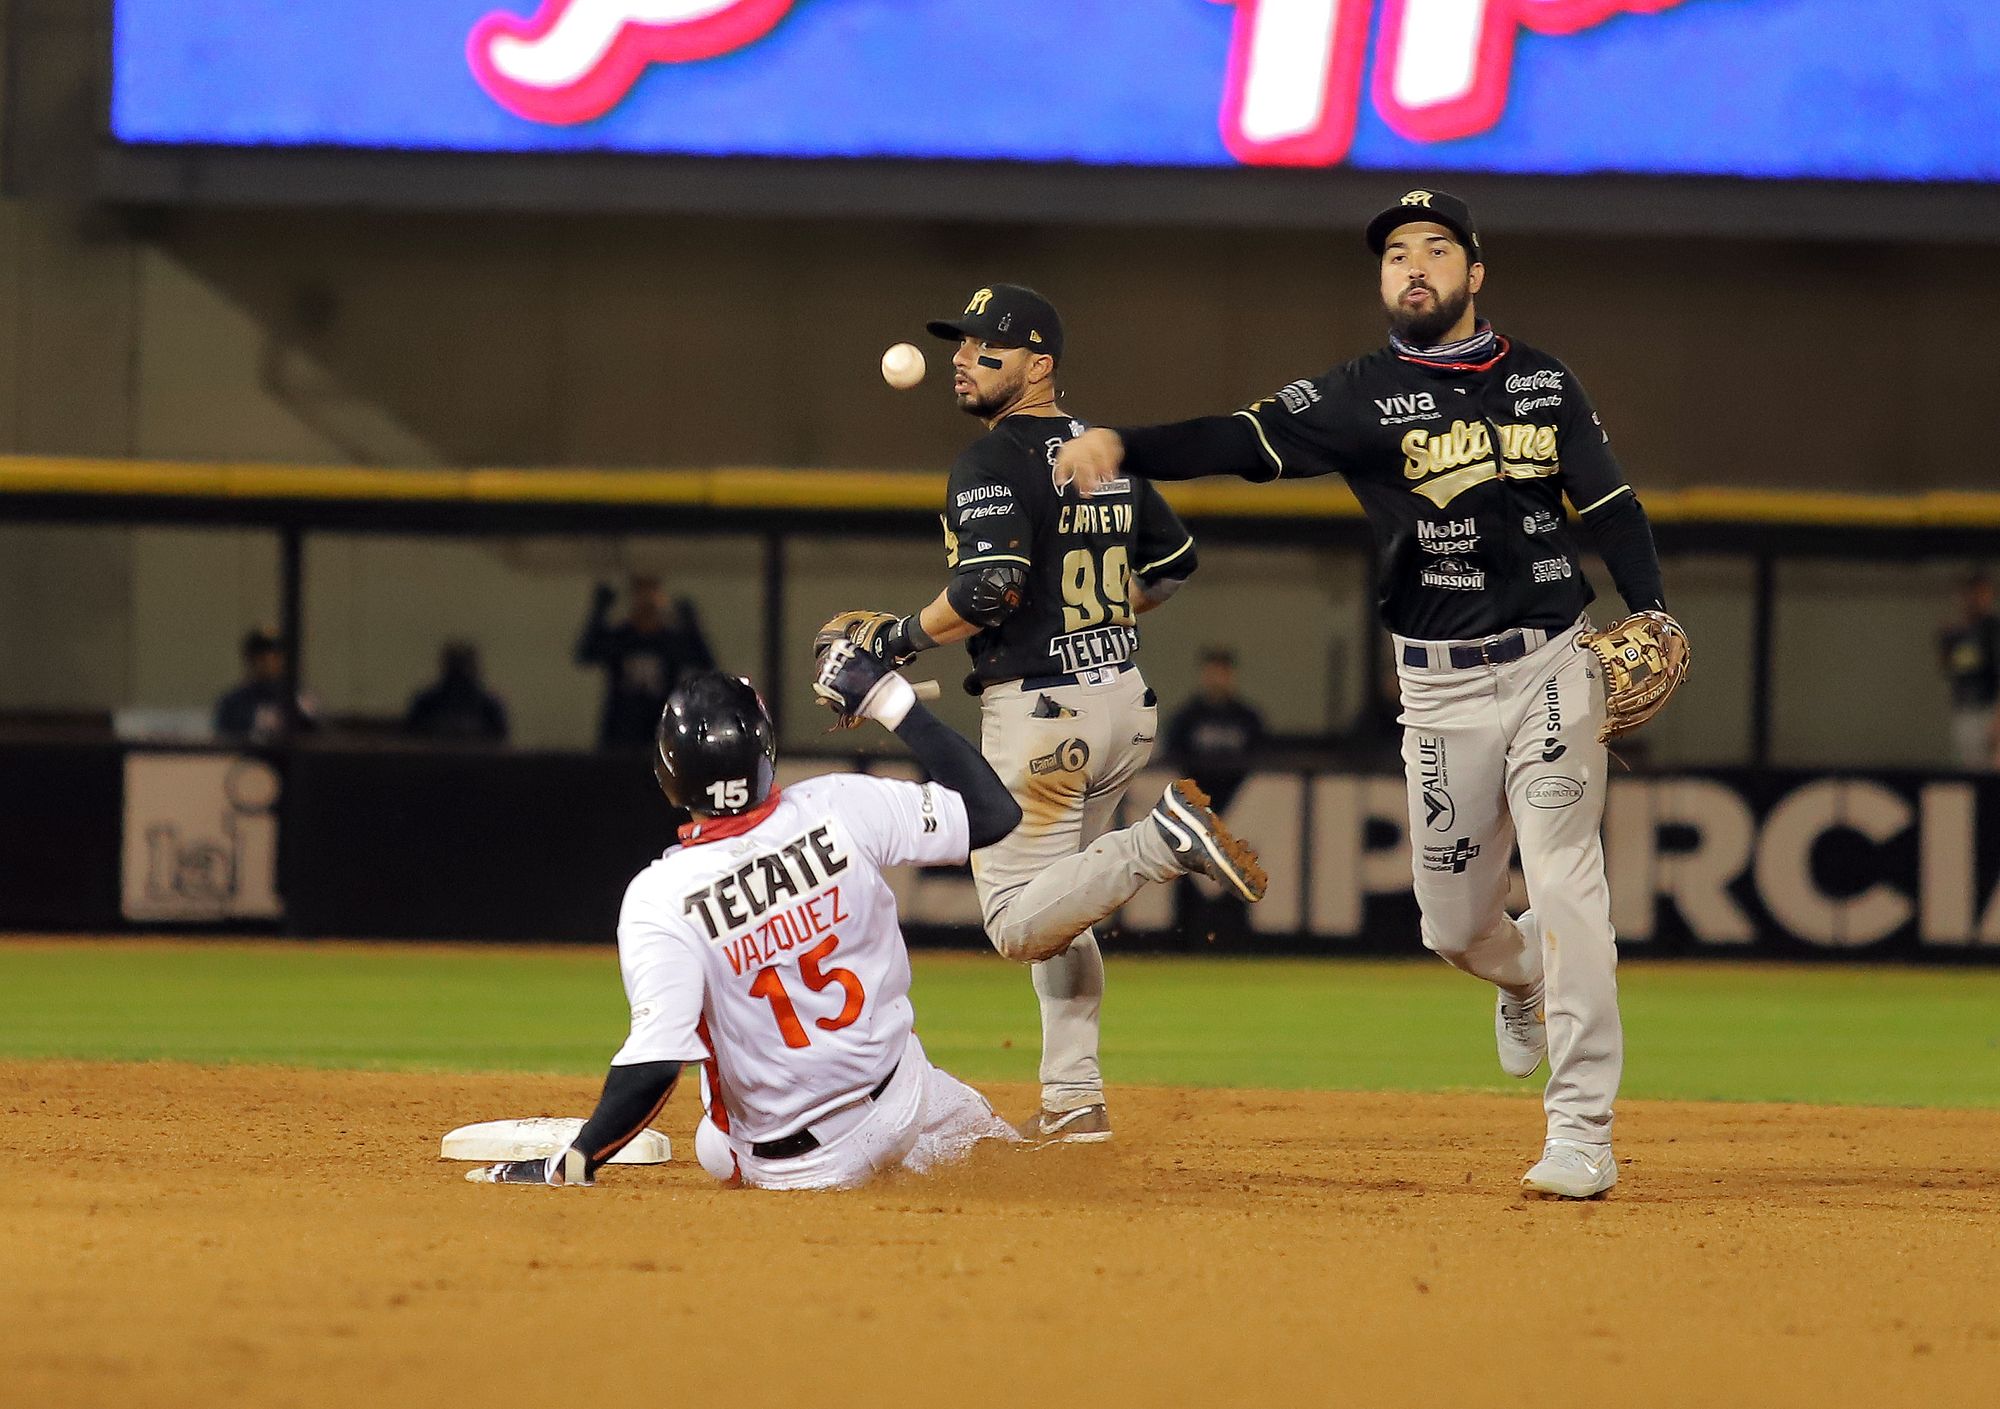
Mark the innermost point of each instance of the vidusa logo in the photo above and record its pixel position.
(1291, 96)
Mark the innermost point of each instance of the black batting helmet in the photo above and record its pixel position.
(716, 750)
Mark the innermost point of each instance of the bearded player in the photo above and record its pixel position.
(1045, 593)
(765, 946)
(1461, 445)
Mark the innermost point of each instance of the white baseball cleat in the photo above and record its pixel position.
(1570, 1169)
(1086, 1125)
(1521, 1033)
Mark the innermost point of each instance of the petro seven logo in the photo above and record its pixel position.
(1292, 90)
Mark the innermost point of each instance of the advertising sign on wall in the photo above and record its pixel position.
(1771, 863)
(201, 838)
(1837, 89)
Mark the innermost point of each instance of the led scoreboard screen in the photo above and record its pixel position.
(1875, 90)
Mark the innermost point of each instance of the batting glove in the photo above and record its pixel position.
(557, 1171)
(855, 684)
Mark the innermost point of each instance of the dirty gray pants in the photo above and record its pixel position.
(1496, 753)
(1044, 885)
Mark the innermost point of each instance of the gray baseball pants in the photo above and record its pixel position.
(1067, 754)
(1492, 753)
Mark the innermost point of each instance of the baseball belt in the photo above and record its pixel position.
(1095, 675)
(802, 1142)
(1423, 655)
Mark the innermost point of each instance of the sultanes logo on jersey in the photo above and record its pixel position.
(1103, 645)
(1453, 461)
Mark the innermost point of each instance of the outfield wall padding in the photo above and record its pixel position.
(446, 845)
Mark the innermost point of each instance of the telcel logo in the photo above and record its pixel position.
(1291, 97)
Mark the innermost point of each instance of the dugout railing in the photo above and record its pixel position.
(394, 842)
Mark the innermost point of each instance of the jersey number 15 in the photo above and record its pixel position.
(768, 986)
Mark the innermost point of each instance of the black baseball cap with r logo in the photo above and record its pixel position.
(1437, 207)
(1005, 315)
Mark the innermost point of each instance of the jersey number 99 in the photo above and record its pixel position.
(1093, 598)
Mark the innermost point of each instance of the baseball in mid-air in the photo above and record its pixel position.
(903, 366)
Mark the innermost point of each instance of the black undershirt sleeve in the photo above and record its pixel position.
(1207, 445)
(990, 810)
(632, 1096)
(1624, 539)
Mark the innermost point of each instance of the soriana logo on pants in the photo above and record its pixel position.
(1292, 95)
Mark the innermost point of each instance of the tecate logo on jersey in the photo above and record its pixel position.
(1101, 645)
(1291, 94)
(803, 864)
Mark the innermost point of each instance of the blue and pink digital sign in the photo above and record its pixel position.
(1839, 89)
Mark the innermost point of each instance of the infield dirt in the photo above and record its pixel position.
(177, 1236)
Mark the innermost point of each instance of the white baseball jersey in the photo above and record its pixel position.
(768, 947)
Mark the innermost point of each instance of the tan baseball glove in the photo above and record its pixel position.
(873, 632)
(1645, 656)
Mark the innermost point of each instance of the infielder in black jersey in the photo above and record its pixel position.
(1046, 590)
(1462, 445)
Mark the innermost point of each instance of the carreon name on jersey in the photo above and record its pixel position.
(794, 876)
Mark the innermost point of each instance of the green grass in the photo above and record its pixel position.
(1727, 1032)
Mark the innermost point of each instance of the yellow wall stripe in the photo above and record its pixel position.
(752, 489)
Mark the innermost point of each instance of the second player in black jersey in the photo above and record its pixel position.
(1046, 589)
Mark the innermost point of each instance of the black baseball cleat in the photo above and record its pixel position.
(1201, 843)
(1086, 1125)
